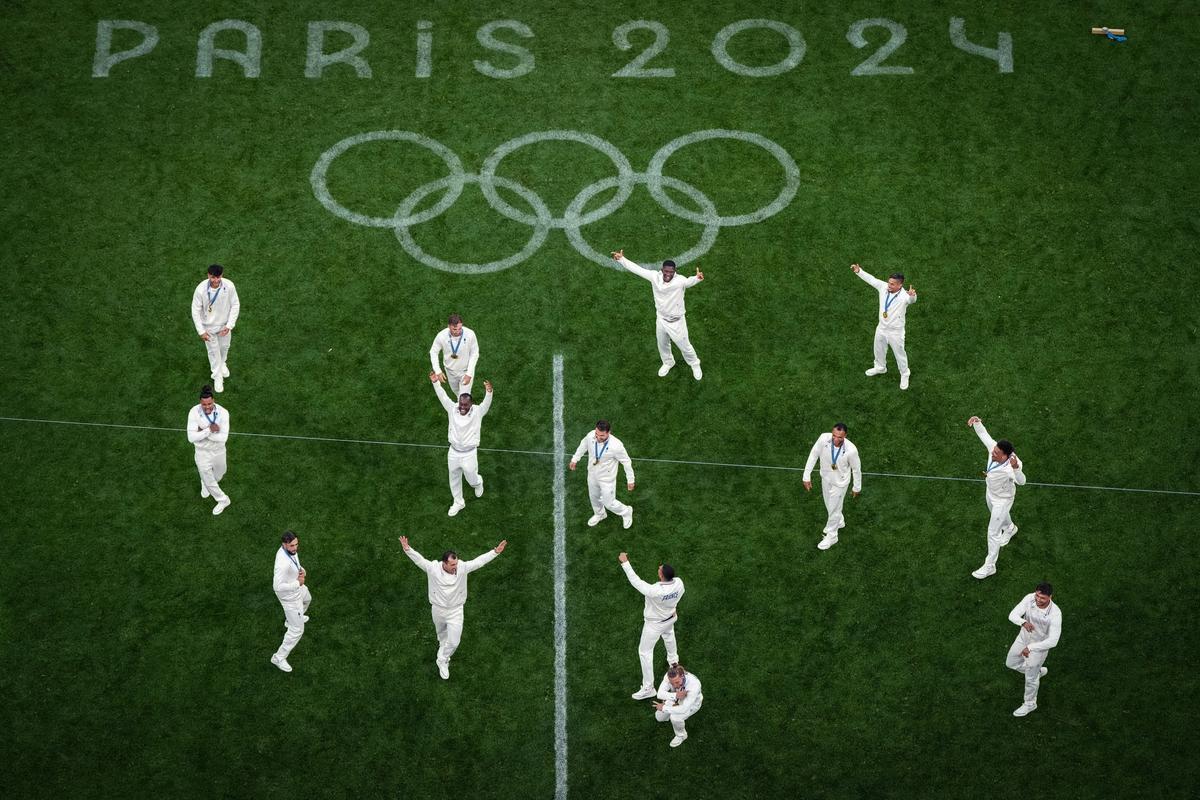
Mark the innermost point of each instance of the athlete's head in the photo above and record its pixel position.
(1042, 594)
(206, 399)
(464, 403)
(896, 282)
(215, 271)
(668, 270)
(666, 572)
(450, 561)
(603, 430)
(290, 541)
(676, 675)
(1002, 451)
(839, 434)
(455, 325)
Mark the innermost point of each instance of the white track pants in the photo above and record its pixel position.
(834, 496)
(603, 495)
(460, 465)
(651, 632)
(677, 719)
(676, 332)
(293, 614)
(211, 467)
(1031, 667)
(896, 340)
(448, 622)
(999, 521)
(218, 351)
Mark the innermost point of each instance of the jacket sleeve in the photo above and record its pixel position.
(475, 563)
(198, 312)
(984, 436)
(871, 279)
(235, 306)
(641, 272)
(693, 694)
(1017, 615)
(626, 463)
(856, 471)
(280, 583)
(443, 398)
(486, 405)
(813, 455)
(223, 434)
(418, 559)
(638, 583)
(579, 451)
(433, 353)
(474, 358)
(195, 432)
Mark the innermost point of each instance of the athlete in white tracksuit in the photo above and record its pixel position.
(671, 325)
(462, 459)
(1041, 625)
(658, 617)
(893, 307)
(1002, 475)
(447, 595)
(208, 429)
(459, 349)
(215, 310)
(604, 451)
(679, 698)
(292, 591)
(839, 464)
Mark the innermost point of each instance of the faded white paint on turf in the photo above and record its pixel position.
(730, 465)
(1001, 54)
(795, 40)
(560, 587)
(872, 65)
(542, 219)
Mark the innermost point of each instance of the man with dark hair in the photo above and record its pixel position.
(671, 325)
(604, 452)
(208, 430)
(293, 594)
(1002, 475)
(1041, 625)
(447, 595)
(459, 349)
(215, 310)
(839, 464)
(680, 697)
(658, 619)
(466, 424)
(893, 305)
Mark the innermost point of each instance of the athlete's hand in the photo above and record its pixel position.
(1028, 626)
(488, 386)
(699, 274)
(618, 255)
(404, 543)
(204, 336)
(214, 427)
(682, 693)
(973, 421)
(466, 379)
(300, 578)
(500, 547)
(623, 558)
(857, 269)
(571, 466)
(911, 291)
(629, 486)
(435, 377)
(1014, 461)
(659, 706)
(855, 494)
(223, 332)
(808, 486)
(1025, 652)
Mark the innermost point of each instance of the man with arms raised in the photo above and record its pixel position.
(604, 451)
(462, 459)
(839, 463)
(659, 617)
(447, 595)
(671, 325)
(1002, 475)
(893, 305)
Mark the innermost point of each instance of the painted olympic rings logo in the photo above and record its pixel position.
(539, 216)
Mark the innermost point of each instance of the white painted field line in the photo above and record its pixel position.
(729, 465)
(560, 589)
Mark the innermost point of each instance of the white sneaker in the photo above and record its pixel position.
(827, 542)
(218, 385)
(873, 371)
(443, 670)
(479, 488)
(204, 492)
(903, 382)
(1025, 709)
(697, 373)
(627, 520)
(664, 369)
(221, 506)
(1007, 537)
(984, 572)
(594, 520)
(281, 663)
(224, 371)
(454, 509)
(645, 693)
(841, 524)
(1042, 672)
(678, 740)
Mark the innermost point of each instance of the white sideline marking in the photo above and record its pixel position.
(560, 589)
(774, 467)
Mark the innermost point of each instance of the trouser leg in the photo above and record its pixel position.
(455, 381)
(664, 343)
(207, 468)
(880, 350)
(454, 465)
(213, 348)
(470, 468)
(449, 633)
(896, 340)
(678, 332)
(646, 653)
(998, 514)
(834, 496)
(306, 601)
(677, 725)
(595, 493)
(293, 612)
(608, 499)
(223, 343)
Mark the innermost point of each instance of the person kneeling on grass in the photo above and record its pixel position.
(680, 697)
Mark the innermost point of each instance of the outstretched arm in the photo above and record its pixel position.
(487, 558)
(641, 272)
(982, 433)
(638, 583)
(868, 277)
(442, 397)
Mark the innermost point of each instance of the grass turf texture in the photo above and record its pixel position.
(1046, 217)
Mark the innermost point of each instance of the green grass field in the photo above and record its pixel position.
(1046, 215)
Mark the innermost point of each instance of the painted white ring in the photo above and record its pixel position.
(625, 181)
(541, 228)
(454, 185)
(654, 176)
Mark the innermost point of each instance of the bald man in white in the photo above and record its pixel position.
(215, 309)
(1002, 475)
(671, 324)
(604, 452)
(658, 617)
(447, 595)
(1041, 625)
(459, 349)
(893, 308)
(839, 465)
(466, 423)
(208, 430)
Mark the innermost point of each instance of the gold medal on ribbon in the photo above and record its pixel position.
(455, 356)
(833, 466)
(885, 315)
(595, 462)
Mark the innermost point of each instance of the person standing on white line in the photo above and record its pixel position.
(680, 697)
(671, 325)
(292, 591)
(215, 310)
(1041, 625)
(208, 430)
(839, 463)
(1002, 476)
(466, 422)
(447, 595)
(460, 351)
(893, 305)
(604, 451)
(659, 617)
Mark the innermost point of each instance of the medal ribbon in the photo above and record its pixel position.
(835, 456)
(213, 419)
(600, 451)
(887, 301)
(212, 298)
(291, 558)
(994, 464)
(454, 347)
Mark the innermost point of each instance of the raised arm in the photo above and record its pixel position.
(440, 391)
(487, 400)
(1018, 469)
(868, 277)
(638, 583)
(235, 306)
(422, 563)
(983, 434)
(475, 563)
(641, 272)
